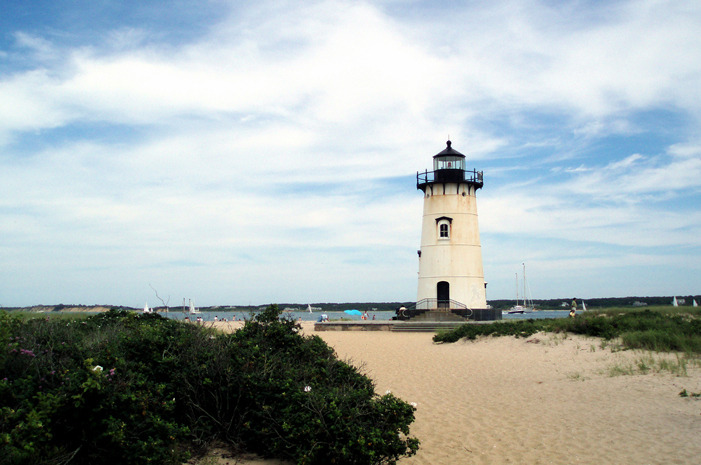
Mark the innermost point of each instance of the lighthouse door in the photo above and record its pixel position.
(443, 294)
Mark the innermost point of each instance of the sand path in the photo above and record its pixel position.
(549, 399)
(506, 400)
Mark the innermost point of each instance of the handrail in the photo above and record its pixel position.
(474, 176)
(430, 304)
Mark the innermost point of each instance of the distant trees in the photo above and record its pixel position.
(556, 304)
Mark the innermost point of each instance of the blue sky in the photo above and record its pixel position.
(255, 152)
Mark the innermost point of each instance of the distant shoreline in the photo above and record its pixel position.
(500, 304)
(63, 308)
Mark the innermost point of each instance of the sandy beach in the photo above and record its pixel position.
(548, 399)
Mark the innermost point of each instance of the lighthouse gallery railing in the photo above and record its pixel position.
(474, 177)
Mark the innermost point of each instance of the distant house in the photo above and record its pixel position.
(637, 303)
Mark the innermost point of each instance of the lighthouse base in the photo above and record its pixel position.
(455, 314)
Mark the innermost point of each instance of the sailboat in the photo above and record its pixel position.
(674, 302)
(584, 306)
(693, 303)
(147, 309)
(527, 306)
(518, 308)
(309, 308)
(192, 307)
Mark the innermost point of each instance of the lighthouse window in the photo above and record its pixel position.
(443, 224)
(449, 163)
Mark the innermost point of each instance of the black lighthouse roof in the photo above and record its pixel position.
(449, 151)
(449, 167)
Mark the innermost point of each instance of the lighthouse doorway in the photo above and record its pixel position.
(443, 294)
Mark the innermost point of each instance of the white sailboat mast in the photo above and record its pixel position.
(525, 303)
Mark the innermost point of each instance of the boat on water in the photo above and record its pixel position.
(526, 305)
(674, 302)
(147, 309)
(516, 309)
(191, 309)
(309, 309)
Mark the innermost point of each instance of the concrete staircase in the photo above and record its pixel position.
(430, 322)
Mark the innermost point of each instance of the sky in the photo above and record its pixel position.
(249, 152)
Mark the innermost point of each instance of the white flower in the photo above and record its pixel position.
(307, 388)
(414, 404)
(388, 391)
(97, 368)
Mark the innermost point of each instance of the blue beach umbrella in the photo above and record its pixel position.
(353, 312)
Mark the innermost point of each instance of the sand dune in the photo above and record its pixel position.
(545, 400)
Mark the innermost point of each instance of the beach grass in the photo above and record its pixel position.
(659, 329)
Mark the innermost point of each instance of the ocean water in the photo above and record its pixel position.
(379, 316)
(305, 316)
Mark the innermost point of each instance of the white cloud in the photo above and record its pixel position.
(28, 104)
(685, 150)
(41, 48)
(272, 138)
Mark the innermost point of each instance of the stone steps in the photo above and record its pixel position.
(427, 326)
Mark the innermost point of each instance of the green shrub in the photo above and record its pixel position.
(70, 390)
(520, 328)
(129, 388)
(646, 329)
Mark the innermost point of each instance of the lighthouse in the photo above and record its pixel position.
(451, 277)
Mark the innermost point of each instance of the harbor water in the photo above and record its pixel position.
(314, 316)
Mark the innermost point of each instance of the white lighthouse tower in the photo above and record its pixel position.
(451, 278)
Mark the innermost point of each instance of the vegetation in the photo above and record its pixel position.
(663, 329)
(600, 303)
(129, 388)
(684, 393)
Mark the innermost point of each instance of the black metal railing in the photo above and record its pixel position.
(439, 304)
(427, 177)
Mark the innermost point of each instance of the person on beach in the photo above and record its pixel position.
(574, 304)
(399, 312)
(216, 318)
